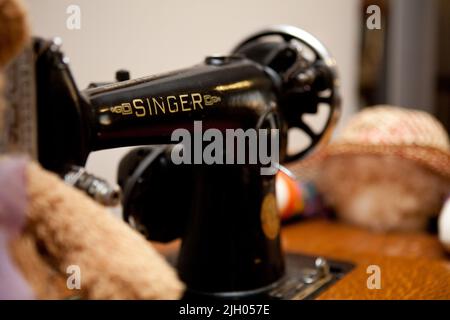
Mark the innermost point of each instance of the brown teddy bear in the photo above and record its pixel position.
(13, 36)
(55, 242)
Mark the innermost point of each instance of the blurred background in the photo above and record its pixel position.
(405, 62)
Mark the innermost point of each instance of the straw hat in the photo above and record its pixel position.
(387, 130)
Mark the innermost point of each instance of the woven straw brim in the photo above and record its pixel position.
(436, 160)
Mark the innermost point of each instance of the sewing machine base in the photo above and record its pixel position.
(303, 280)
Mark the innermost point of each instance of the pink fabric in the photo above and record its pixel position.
(13, 202)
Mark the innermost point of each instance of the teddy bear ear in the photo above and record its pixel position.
(14, 31)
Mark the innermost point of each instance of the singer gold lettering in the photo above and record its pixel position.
(154, 106)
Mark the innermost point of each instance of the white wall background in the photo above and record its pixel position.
(148, 36)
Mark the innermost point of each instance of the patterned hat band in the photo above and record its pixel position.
(431, 158)
(383, 130)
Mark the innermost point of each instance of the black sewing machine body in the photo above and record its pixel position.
(226, 215)
(232, 93)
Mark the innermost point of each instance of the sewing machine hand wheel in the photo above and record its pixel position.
(307, 78)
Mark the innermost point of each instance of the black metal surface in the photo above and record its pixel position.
(308, 79)
(245, 95)
(296, 266)
(291, 286)
(217, 210)
(63, 126)
(260, 80)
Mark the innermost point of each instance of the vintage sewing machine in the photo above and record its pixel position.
(225, 214)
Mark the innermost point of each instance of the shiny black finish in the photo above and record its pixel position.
(220, 206)
(225, 214)
(148, 178)
(63, 126)
(224, 248)
(245, 91)
(308, 79)
(215, 210)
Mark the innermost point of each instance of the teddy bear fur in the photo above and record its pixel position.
(14, 33)
(66, 228)
(381, 192)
